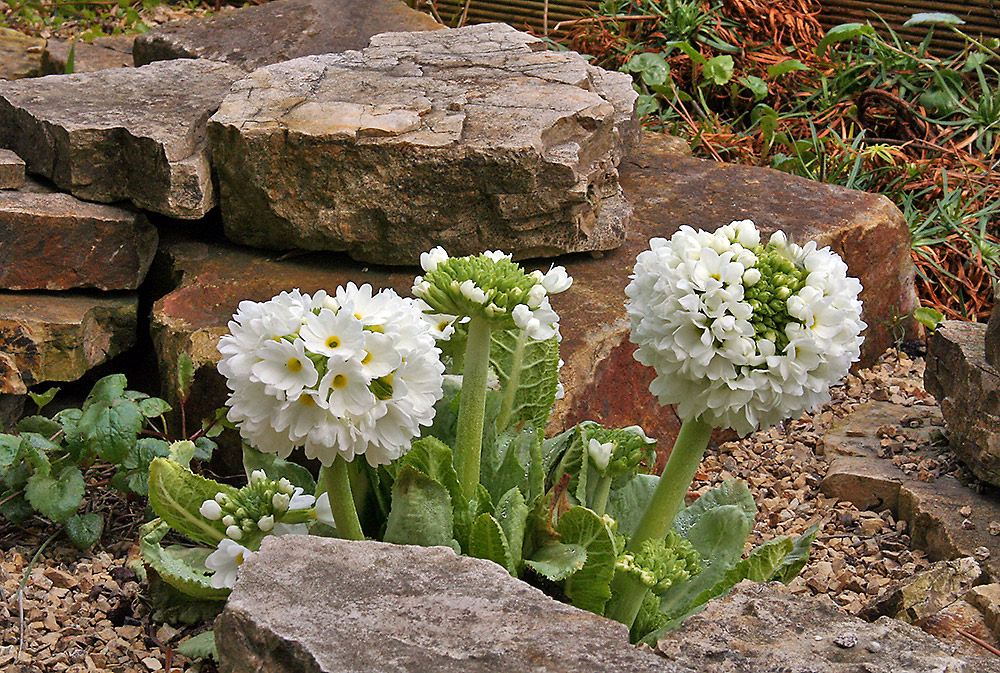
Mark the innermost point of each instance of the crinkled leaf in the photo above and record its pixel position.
(589, 587)
(107, 390)
(10, 452)
(536, 380)
(201, 646)
(46, 427)
(842, 33)
(134, 473)
(512, 513)
(421, 511)
(176, 494)
(924, 18)
(508, 463)
(181, 567)
(182, 451)
(111, 428)
(489, 542)
(151, 407)
(759, 566)
(432, 457)
(797, 558)
(729, 492)
(275, 468)
(627, 504)
(83, 530)
(185, 375)
(42, 399)
(56, 497)
(557, 560)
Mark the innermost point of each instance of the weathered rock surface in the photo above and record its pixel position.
(764, 627)
(987, 599)
(11, 170)
(57, 242)
(944, 517)
(601, 378)
(993, 337)
(968, 389)
(251, 37)
(955, 623)
(87, 57)
(125, 133)
(371, 607)
(59, 337)
(11, 405)
(473, 139)
(20, 54)
(927, 592)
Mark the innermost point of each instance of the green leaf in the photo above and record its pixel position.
(928, 317)
(536, 380)
(181, 567)
(176, 494)
(10, 452)
(653, 68)
(134, 474)
(201, 646)
(785, 67)
(842, 33)
(718, 69)
(686, 47)
(185, 374)
(56, 498)
(512, 513)
(923, 18)
(796, 560)
(46, 427)
(589, 587)
(433, 458)
(71, 60)
(755, 85)
(557, 560)
(107, 390)
(729, 492)
(15, 508)
(627, 504)
(759, 566)
(111, 428)
(151, 407)
(182, 451)
(41, 399)
(421, 511)
(83, 530)
(489, 542)
(275, 468)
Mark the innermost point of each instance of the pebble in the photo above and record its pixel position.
(846, 640)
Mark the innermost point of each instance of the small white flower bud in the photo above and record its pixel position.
(285, 486)
(471, 292)
(778, 240)
(429, 260)
(210, 510)
(228, 520)
(234, 532)
(222, 498)
(600, 453)
(536, 295)
(495, 255)
(280, 502)
(266, 523)
(257, 476)
(241, 513)
(751, 277)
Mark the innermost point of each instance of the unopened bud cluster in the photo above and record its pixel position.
(254, 508)
(659, 564)
(775, 278)
(619, 452)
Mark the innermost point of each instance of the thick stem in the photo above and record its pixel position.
(510, 390)
(472, 407)
(338, 489)
(601, 496)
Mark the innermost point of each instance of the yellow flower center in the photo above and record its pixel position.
(333, 342)
(294, 365)
(239, 559)
(443, 325)
(307, 400)
(367, 358)
(339, 381)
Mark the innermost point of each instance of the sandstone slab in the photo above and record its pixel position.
(57, 242)
(87, 57)
(968, 389)
(125, 133)
(371, 607)
(11, 170)
(474, 139)
(20, 54)
(59, 337)
(765, 627)
(251, 37)
(987, 599)
(926, 593)
(955, 623)
(993, 337)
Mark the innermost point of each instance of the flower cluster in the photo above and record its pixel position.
(345, 375)
(489, 286)
(742, 334)
(618, 452)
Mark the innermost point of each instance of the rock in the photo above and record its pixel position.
(87, 57)
(59, 337)
(993, 337)
(11, 405)
(125, 133)
(926, 593)
(401, 608)
(20, 54)
(474, 139)
(949, 624)
(986, 598)
(11, 170)
(968, 390)
(868, 483)
(765, 627)
(57, 242)
(251, 37)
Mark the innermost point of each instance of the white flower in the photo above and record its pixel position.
(429, 260)
(300, 500)
(279, 501)
(284, 366)
(600, 453)
(266, 523)
(225, 562)
(740, 334)
(323, 511)
(556, 280)
(211, 510)
(496, 255)
(333, 333)
(472, 292)
(235, 532)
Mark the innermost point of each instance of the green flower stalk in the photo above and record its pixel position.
(492, 292)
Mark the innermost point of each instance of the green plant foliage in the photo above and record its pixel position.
(275, 468)
(181, 567)
(83, 530)
(421, 511)
(201, 646)
(176, 494)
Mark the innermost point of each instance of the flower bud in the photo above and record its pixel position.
(257, 476)
(234, 532)
(600, 453)
(266, 523)
(228, 520)
(430, 259)
(280, 502)
(211, 510)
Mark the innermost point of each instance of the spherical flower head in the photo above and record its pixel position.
(742, 334)
(225, 562)
(490, 286)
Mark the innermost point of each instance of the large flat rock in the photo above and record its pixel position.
(125, 133)
(87, 56)
(45, 337)
(20, 54)
(251, 37)
(968, 389)
(370, 607)
(58, 242)
(765, 628)
(476, 138)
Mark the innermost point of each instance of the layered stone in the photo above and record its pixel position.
(125, 133)
(968, 390)
(20, 54)
(87, 56)
(57, 242)
(255, 36)
(405, 609)
(11, 170)
(472, 139)
(45, 337)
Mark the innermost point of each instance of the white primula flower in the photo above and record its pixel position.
(600, 453)
(556, 280)
(345, 388)
(211, 510)
(225, 562)
(741, 334)
(300, 499)
(323, 511)
(430, 259)
(285, 367)
(496, 255)
(472, 292)
(266, 523)
(333, 334)
(234, 532)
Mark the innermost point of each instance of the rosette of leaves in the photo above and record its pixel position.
(43, 464)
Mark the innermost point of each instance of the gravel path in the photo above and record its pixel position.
(87, 612)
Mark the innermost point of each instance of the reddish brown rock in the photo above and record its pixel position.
(948, 625)
(57, 242)
(11, 170)
(59, 337)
